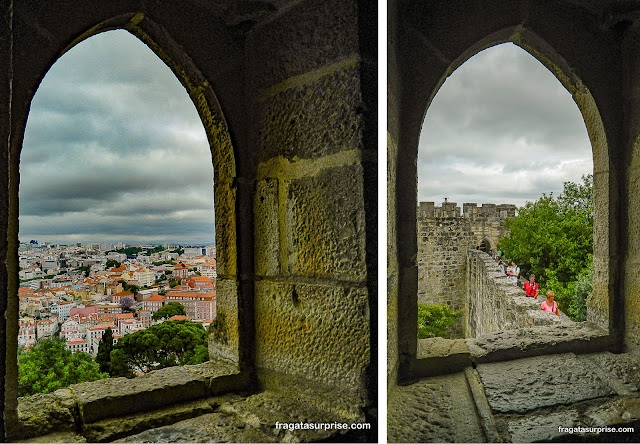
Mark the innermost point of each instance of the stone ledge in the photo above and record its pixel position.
(69, 409)
(440, 356)
(529, 384)
(115, 428)
(253, 419)
(540, 340)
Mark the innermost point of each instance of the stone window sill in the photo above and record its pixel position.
(440, 356)
(72, 409)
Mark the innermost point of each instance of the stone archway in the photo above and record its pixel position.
(486, 245)
(409, 109)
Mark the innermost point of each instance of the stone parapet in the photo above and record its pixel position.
(495, 304)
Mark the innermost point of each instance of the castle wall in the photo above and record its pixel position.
(494, 304)
(442, 256)
(287, 94)
(444, 238)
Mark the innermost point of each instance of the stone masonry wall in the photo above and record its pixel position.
(442, 255)
(495, 304)
(444, 237)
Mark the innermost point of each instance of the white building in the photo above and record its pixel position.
(128, 326)
(77, 344)
(193, 251)
(94, 335)
(208, 269)
(45, 328)
(62, 309)
(26, 332)
(71, 333)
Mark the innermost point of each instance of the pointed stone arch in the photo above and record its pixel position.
(435, 52)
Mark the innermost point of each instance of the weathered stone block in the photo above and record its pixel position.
(614, 412)
(224, 334)
(326, 225)
(121, 396)
(625, 367)
(211, 427)
(434, 354)
(41, 414)
(309, 37)
(267, 214)
(225, 208)
(541, 427)
(114, 428)
(313, 119)
(317, 332)
(261, 411)
(437, 409)
(527, 384)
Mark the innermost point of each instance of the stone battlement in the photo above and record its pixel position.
(470, 210)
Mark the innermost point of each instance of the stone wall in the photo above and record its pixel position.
(442, 257)
(286, 91)
(495, 304)
(593, 50)
(444, 237)
(310, 209)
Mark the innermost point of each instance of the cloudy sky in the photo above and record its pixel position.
(114, 151)
(501, 129)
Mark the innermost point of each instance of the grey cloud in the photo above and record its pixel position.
(112, 133)
(501, 127)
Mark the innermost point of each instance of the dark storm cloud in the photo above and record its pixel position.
(114, 147)
(501, 129)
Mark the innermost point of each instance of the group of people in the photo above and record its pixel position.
(531, 288)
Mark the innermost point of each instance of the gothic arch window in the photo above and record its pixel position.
(224, 337)
(411, 364)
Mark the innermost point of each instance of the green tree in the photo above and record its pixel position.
(47, 367)
(103, 358)
(435, 320)
(112, 263)
(553, 239)
(162, 345)
(168, 310)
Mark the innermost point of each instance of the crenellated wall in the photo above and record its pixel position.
(444, 237)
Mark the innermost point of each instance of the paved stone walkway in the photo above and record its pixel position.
(522, 400)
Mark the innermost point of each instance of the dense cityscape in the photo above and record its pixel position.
(79, 291)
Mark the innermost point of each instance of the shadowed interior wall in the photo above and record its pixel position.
(579, 42)
(287, 94)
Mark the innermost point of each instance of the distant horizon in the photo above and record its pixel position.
(66, 243)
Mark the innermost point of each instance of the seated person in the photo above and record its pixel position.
(531, 288)
(550, 304)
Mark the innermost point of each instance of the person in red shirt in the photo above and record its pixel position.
(531, 287)
(550, 304)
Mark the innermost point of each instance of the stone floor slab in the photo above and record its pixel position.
(212, 427)
(624, 366)
(545, 381)
(541, 427)
(436, 409)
